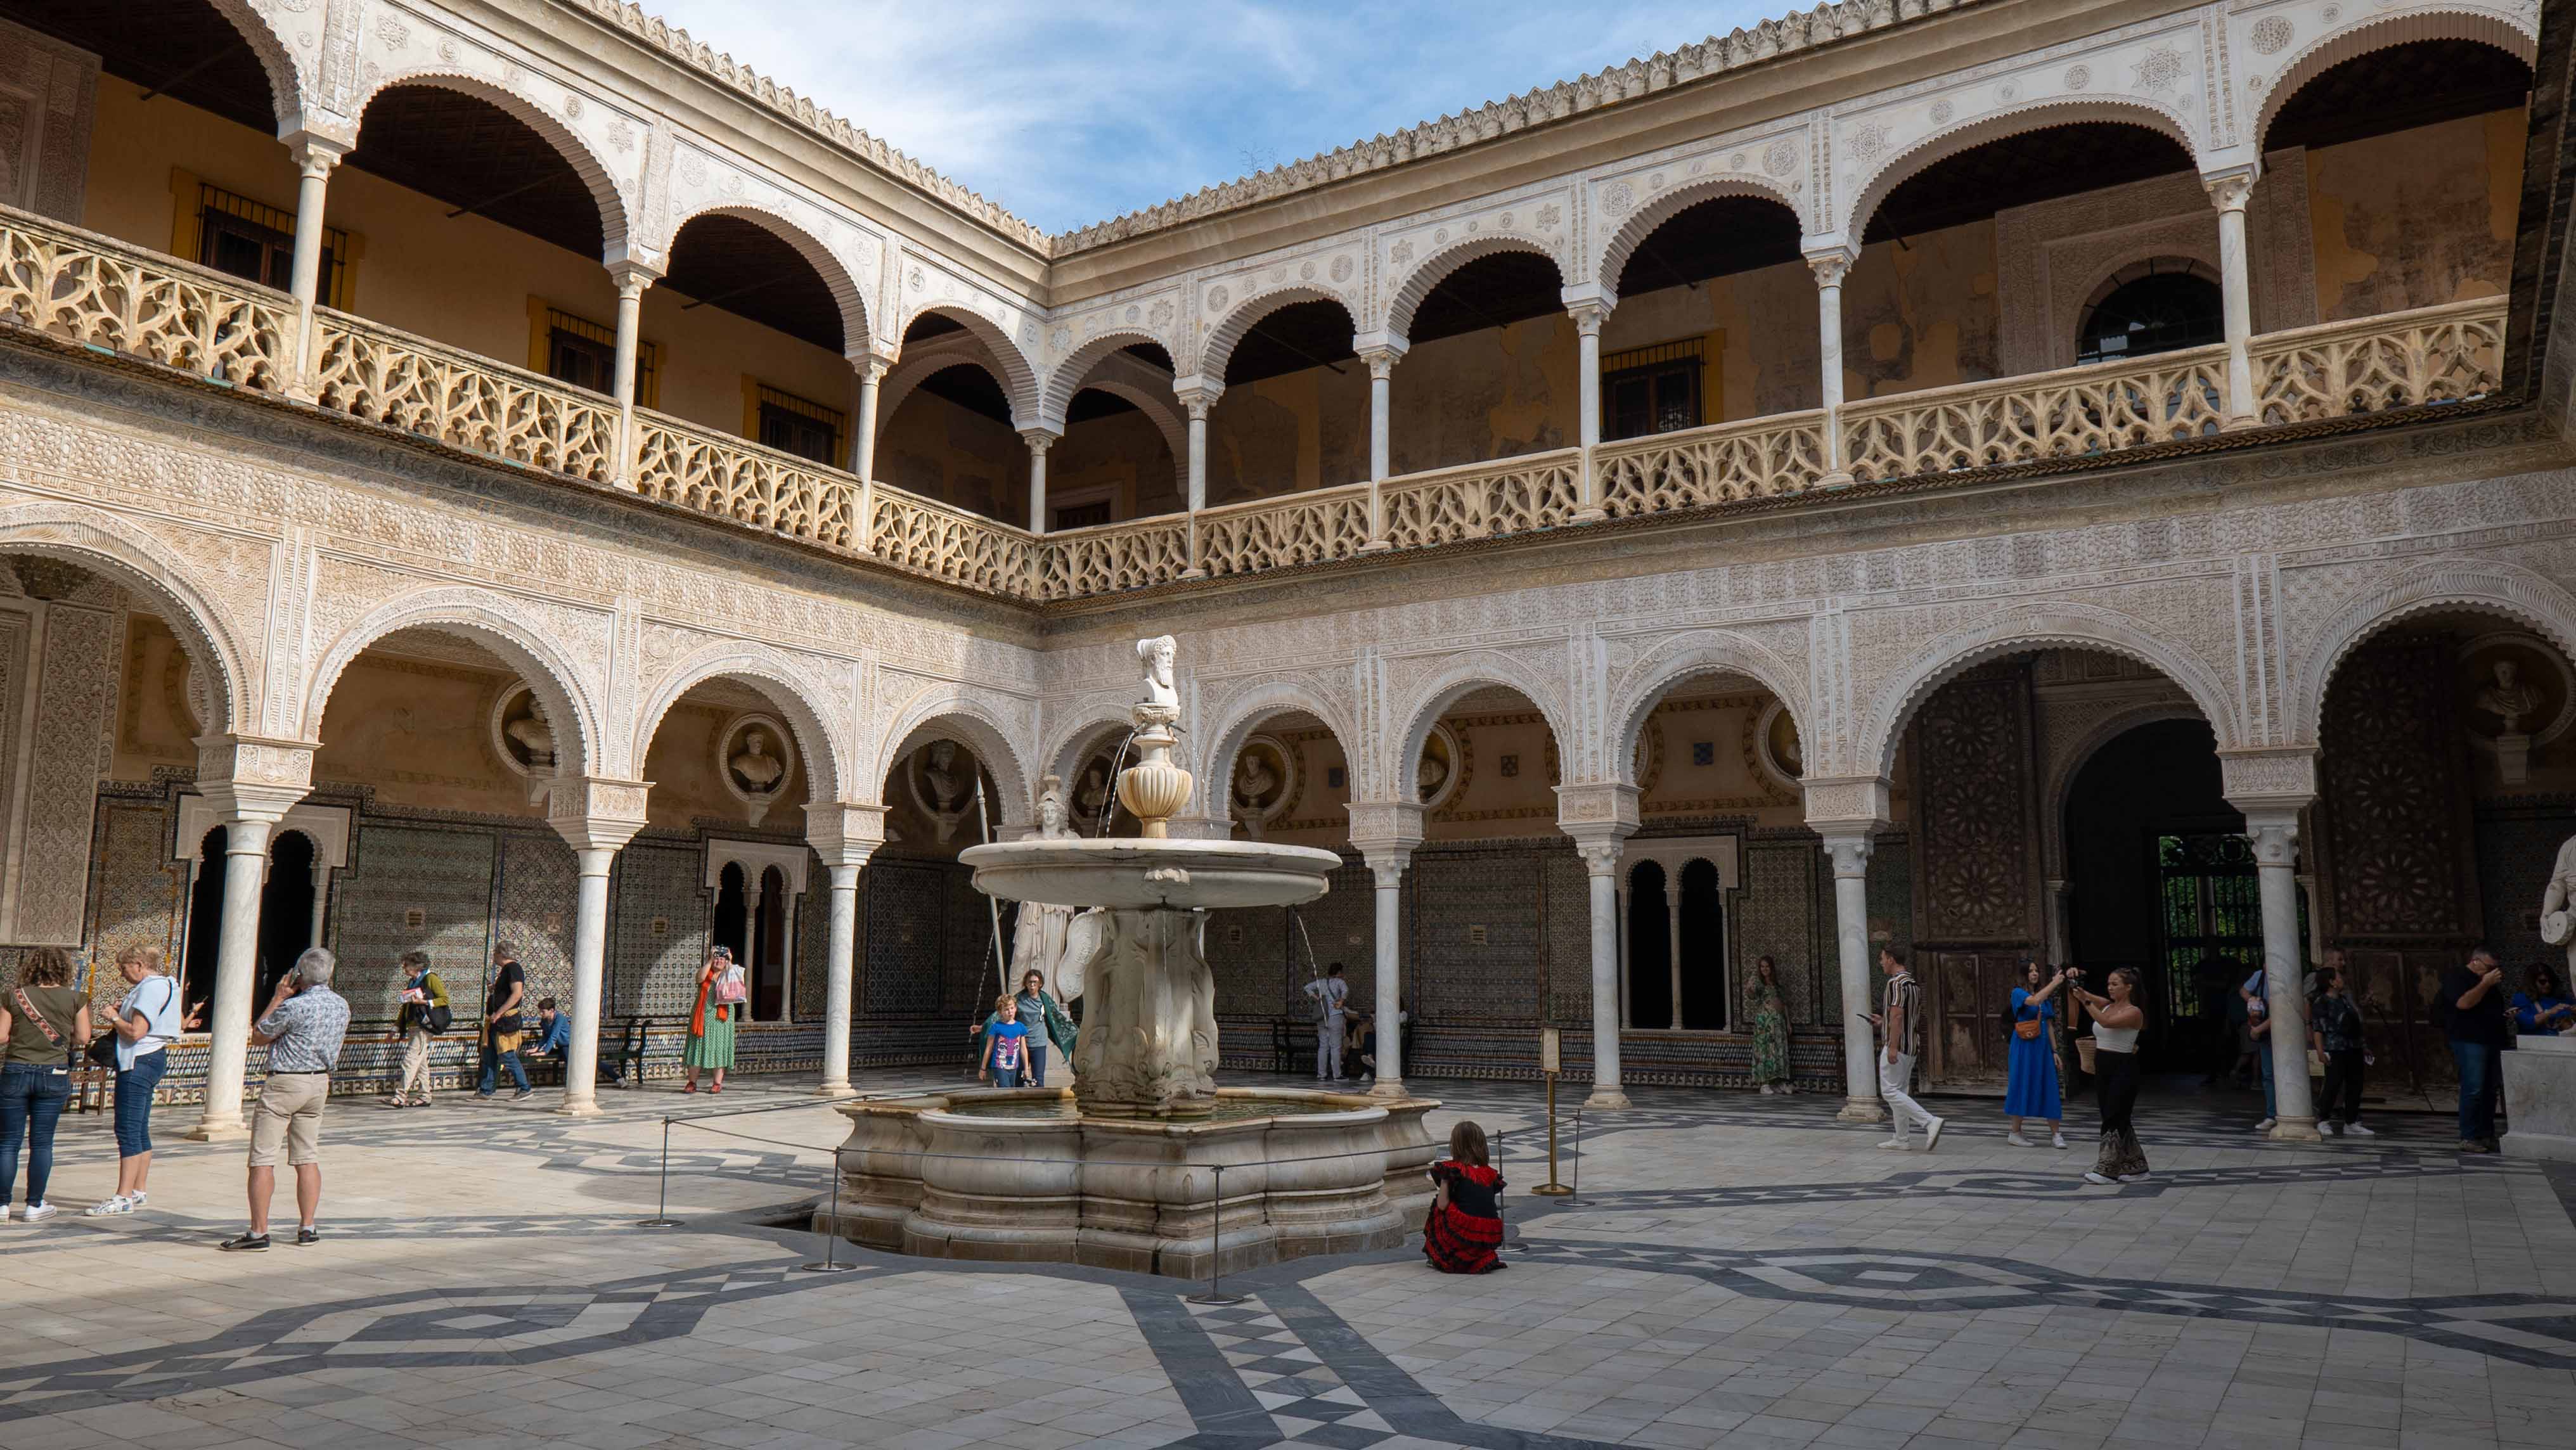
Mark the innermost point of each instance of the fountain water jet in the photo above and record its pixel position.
(1113, 1186)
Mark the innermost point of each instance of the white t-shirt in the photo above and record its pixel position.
(157, 998)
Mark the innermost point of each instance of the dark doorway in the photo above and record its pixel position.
(205, 920)
(1703, 950)
(2179, 925)
(769, 950)
(285, 909)
(1650, 949)
(733, 911)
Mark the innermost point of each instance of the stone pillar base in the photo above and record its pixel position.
(233, 1131)
(1587, 516)
(1862, 1110)
(2540, 1099)
(1609, 1098)
(836, 1090)
(2296, 1130)
(1376, 546)
(579, 1108)
(1839, 478)
(1387, 1087)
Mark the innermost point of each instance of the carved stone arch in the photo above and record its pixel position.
(1623, 243)
(1008, 363)
(857, 328)
(1243, 714)
(2036, 115)
(2033, 627)
(1432, 698)
(2474, 584)
(615, 227)
(1069, 376)
(1158, 408)
(1671, 661)
(268, 42)
(948, 715)
(100, 541)
(2382, 32)
(498, 623)
(924, 360)
(798, 700)
(1406, 297)
(1228, 332)
(1091, 722)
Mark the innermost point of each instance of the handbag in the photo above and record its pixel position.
(729, 985)
(2029, 1029)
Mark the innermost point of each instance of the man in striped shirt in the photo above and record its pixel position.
(1900, 1026)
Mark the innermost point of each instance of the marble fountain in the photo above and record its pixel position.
(1120, 1169)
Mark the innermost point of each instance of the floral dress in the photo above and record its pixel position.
(710, 1028)
(1770, 1033)
(1461, 1235)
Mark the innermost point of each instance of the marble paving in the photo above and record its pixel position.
(1736, 1271)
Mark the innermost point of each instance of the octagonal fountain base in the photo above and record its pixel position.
(933, 1175)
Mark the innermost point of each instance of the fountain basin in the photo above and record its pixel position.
(1151, 874)
(1322, 1172)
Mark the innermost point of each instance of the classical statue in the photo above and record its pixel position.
(1160, 693)
(2558, 904)
(945, 789)
(1091, 795)
(533, 735)
(1429, 774)
(1038, 937)
(1254, 780)
(755, 769)
(2508, 699)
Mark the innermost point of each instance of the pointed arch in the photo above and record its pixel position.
(2487, 585)
(2039, 115)
(615, 227)
(1070, 375)
(2032, 627)
(285, 82)
(524, 640)
(1019, 380)
(1431, 271)
(1683, 657)
(2386, 31)
(950, 714)
(1228, 332)
(100, 541)
(1647, 219)
(777, 679)
(858, 331)
(1434, 696)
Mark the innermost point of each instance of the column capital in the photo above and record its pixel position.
(2229, 189)
(253, 778)
(1595, 808)
(2269, 780)
(2275, 836)
(1040, 438)
(869, 367)
(595, 813)
(1197, 394)
(1589, 303)
(1846, 805)
(316, 152)
(1600, 851)
(1850, 853)
(1830, 263)
(633, 277)
(1380, 349)
(1381, 362)
(844, 833)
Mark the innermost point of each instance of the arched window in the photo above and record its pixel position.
(2160, 305)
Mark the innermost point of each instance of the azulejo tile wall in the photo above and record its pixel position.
(407, 887)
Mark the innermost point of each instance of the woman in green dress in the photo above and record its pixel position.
(1770, 1029)
(711, 1022)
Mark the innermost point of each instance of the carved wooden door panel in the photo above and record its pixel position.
(1976, 863)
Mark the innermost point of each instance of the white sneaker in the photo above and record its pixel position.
(1932, 1134)
(2016, 1139)
(2330, 1127)
(7, 1209)
(2356, 1130)
(2092, 1177)
(2057, 1141)
(1766, 1090)
(39, 1212)
(109, 1207)
(137, 1198)
(2266, 1125)
(1896, 1143)
(2139, 1177)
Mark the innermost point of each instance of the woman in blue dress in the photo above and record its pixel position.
(2030, 1075)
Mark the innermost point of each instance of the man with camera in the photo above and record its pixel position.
(302, 1030)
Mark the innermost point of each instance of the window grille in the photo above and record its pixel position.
(256, 242)
(801, 426)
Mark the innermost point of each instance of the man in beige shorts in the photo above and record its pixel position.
(303, 1028)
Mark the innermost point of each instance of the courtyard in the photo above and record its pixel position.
(1737, 1270)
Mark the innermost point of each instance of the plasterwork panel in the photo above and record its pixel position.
(48, 98)
(2394, 800)
(73, 723)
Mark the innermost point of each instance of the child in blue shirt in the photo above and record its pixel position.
(1006, 1044)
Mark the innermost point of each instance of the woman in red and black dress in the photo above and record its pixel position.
(1466, 1223)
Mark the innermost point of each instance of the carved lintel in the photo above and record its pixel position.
(253, 778)
(595, 813)
(1610, 805)
(1846, 805)
(2270, 779)
(1386, 828)
(844, 833)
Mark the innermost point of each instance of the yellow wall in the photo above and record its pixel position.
(463, 281)
(2416, 218)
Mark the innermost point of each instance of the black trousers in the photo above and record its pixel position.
(2343, 1078)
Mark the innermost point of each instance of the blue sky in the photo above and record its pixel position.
(1068, 113)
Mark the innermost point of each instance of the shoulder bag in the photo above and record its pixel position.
(19, 995)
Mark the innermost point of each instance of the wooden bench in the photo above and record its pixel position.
(624, 1049)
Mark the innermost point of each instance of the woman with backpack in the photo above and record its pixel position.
(44, 1023)
(425, 1013)
(712, 1021)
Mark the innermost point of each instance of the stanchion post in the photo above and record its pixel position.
(1575, 1195)
(832, 1234)
(662, 1206)
(1216, 1247)
(1548, 1063)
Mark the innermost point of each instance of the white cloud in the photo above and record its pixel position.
(1069, 113)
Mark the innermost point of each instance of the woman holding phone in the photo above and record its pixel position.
(2116, 1020)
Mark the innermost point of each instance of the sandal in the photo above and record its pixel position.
(719, 1087)
(396, 1103)
(688, 1087)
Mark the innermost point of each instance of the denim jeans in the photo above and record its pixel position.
(2263, 1054)
(32, 1096)
(2480, 1083)
(134, 1102)
(1034, 1075)
(1005, 1077)
(492, 1062)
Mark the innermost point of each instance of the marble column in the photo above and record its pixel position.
(1039, 441)
(838, 963)
(1849, 850)
(1381, 358)
(632, 279)
(1386, 870)
(2229, 192)
(1588, 317)
(2275, 835)
(321, 898)
(863, 433)
(1830, 267)
(589, 974)
(1601, 869)
(1673, 942)
(315, 156)
(1196, 401)
(236, 965)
